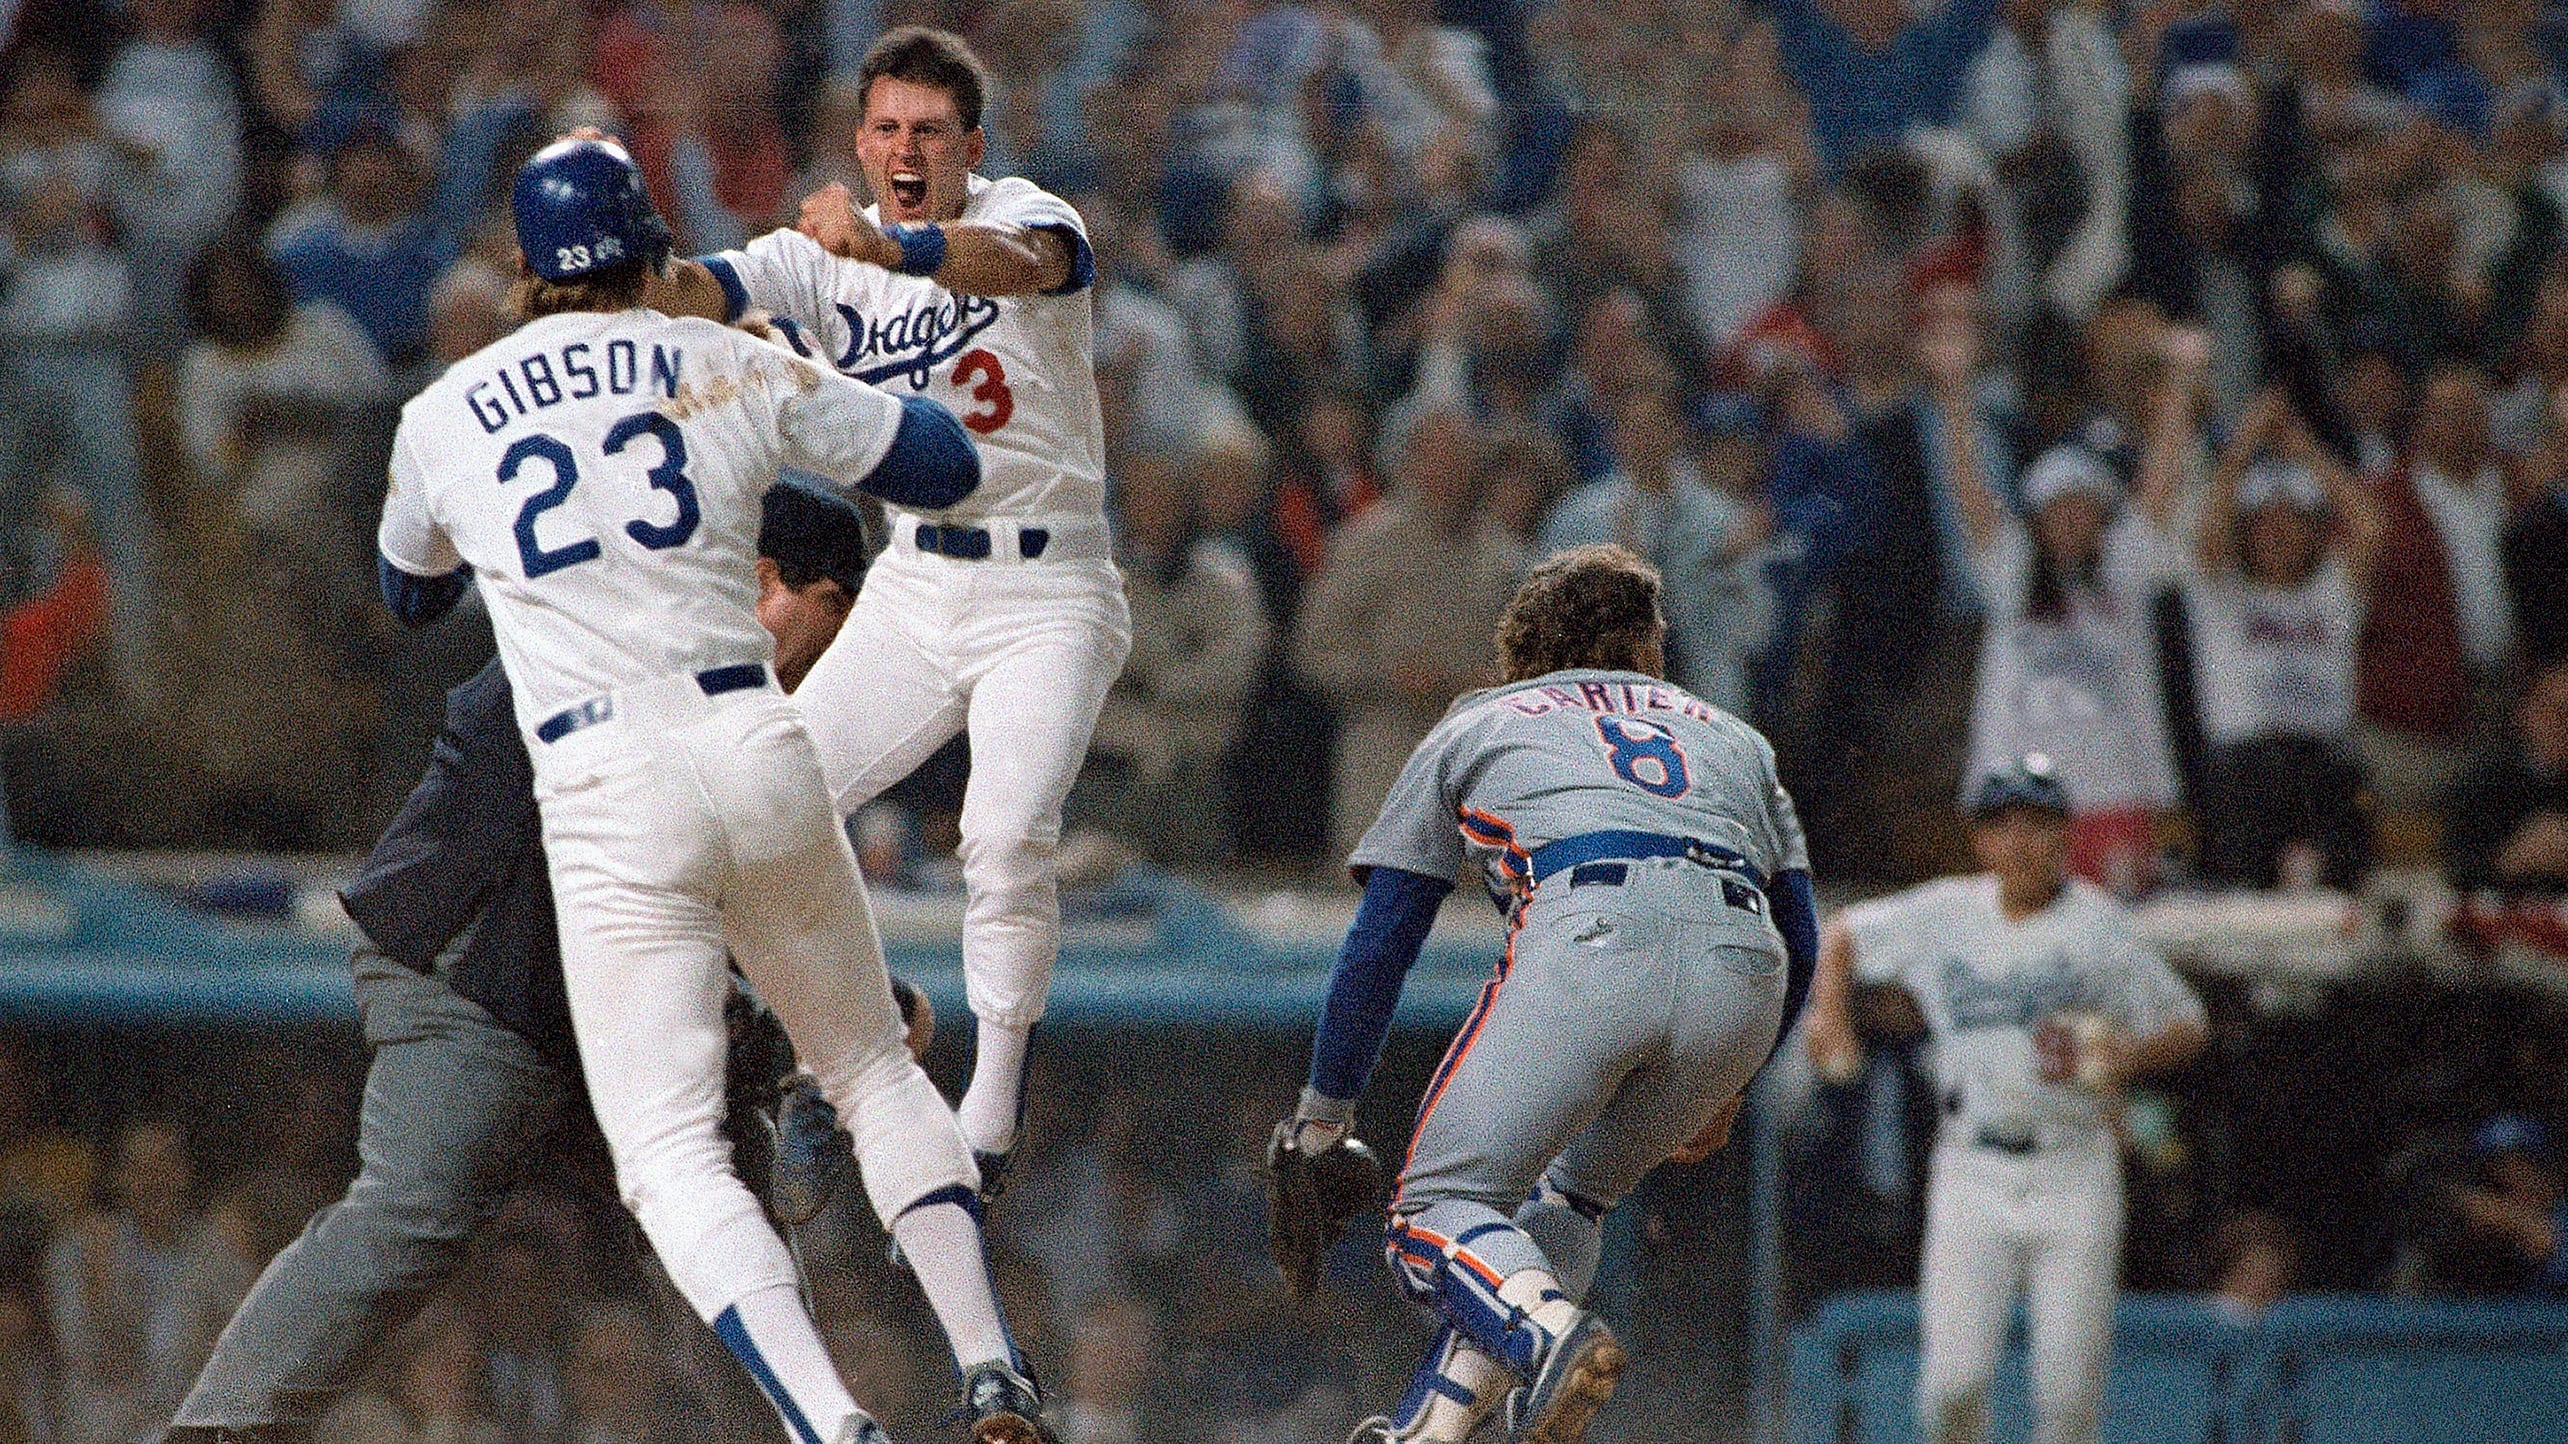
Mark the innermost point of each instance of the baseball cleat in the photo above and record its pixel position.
(1004, 1406)
(809, 1155)
(1380, 1430)
(1576, 1378)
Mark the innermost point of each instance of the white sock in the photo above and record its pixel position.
(1525, 1289)
(943, 1245)
(990, 1105)
(774, 1340)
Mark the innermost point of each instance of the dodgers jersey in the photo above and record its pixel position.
(1985, 984)
(1511, 768)
(601, 473)
(1019, 371)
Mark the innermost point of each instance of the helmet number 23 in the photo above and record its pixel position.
(998, 403)
(1645, 755)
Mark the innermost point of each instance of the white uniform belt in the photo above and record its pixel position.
(1005, 539)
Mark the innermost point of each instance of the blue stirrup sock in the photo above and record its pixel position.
(771, 1335)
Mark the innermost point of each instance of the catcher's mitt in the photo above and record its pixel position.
(1309, 1198)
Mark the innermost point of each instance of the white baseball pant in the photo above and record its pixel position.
(681, 827)
(1018, 655)
(2047, 1225)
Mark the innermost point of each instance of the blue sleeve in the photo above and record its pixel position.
(932, 463)
(735, 296)
(1796, 916)
(1382, 945)
(1083, 262)
(417, 600)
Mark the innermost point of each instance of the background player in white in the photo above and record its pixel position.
(2043, 1003)
(598, 474)
(1001, 616)
(1662, 932)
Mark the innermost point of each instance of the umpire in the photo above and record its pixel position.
(459, 982)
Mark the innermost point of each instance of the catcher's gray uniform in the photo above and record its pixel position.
(1630, 830)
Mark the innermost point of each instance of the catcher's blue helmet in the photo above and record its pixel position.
(2033, 782)
(581, 207)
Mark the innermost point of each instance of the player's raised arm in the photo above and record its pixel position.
(978, 258)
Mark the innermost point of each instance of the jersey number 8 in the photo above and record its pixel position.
(669, 476)
(1645, 755)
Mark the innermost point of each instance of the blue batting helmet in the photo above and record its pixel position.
(2032, 782)
(581, 207)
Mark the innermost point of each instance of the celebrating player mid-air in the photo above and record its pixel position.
(2042, 1003)
(1661, 933)
(1001, 615)
(598, 476)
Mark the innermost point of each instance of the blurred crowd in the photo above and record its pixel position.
(1129, 1251)
(2178, 389)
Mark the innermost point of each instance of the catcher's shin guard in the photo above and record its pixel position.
(1449, 1276)
(1455, 1389)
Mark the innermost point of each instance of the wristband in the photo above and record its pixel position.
(922, 248)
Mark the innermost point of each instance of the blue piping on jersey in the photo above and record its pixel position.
(1364, 988)
(419, 600)
(1083, 262)
(932, 463)
(735, 296)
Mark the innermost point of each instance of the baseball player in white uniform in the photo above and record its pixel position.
(598, 474)
(1001, 616)
(2042, 1003)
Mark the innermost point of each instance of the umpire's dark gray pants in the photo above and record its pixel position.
(1625, 1016)
(454, 1103)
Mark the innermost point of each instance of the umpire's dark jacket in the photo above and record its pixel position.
(468, 846)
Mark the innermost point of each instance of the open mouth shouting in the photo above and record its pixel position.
(909, 190)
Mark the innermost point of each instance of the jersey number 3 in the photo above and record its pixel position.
(1645, 755)
(669, 476)
(998, 403)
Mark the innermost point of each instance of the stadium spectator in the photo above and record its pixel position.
(1199, 636)
(265, 395)
(2441, 632)
(2275, 603)
(2068, 666)
(45, 1173)
(2045, 101)
(136, 1291)
(66, 400)
(1736, 225)
(2507, 827)
(369, 246)
(1402, 616)
(169, 95)
(1872, 68)
(30, 1406)
(2517, 1211)
(2536, 541)
(1706, 544)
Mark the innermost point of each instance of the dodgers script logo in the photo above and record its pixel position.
(933, 334)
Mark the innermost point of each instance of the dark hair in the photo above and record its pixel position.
(1590, 606)
(609, 288)
(925, 55)
(238, 255)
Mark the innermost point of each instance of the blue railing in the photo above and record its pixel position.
(2322, 1369)
(80, 945)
